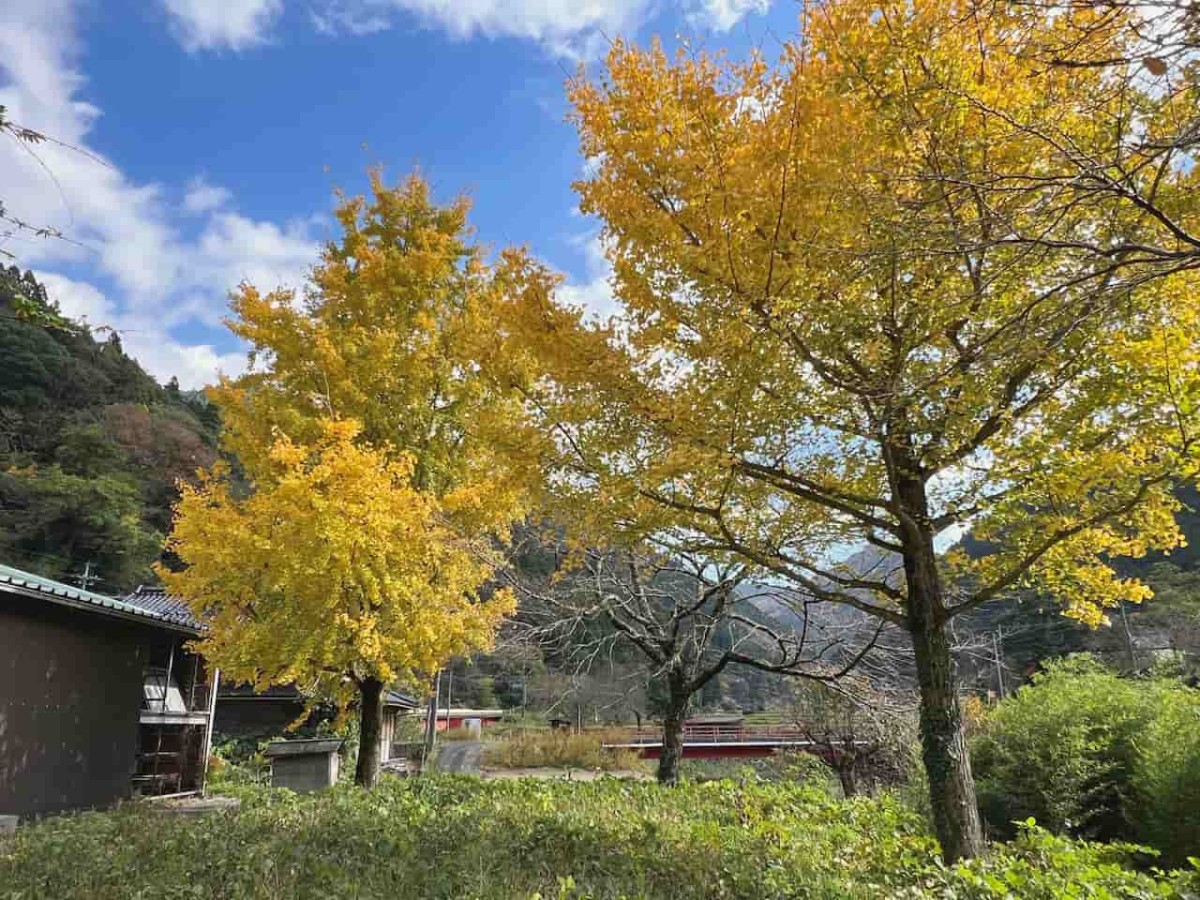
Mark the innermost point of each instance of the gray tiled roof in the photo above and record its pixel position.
(158, 601)
(28, 584)
(395, 698)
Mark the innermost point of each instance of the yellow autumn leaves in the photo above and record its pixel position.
(334, 565)
(378, 465)
(885, 247)
(873, 261)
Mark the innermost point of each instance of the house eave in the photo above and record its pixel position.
(87, 606)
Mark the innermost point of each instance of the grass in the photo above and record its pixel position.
(560, 748)
(455, 837)
(459, 734)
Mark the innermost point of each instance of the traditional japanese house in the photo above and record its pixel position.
(100, 699)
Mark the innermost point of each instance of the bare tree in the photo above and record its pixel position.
(688, 618)
(862, 729)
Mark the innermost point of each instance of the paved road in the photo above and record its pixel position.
(458, 756)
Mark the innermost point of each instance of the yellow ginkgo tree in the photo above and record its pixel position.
(835, 339)
(334, 573)
(378, 474)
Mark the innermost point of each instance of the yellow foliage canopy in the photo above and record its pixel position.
(838, 329)
(378, 454)
(338, 568)
(392, 331)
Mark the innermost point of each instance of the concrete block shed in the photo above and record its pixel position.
(304, 765)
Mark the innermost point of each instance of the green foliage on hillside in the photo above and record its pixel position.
(90, 445)
(1091, 754)
(463, 838)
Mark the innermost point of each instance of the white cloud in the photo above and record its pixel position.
(595, 294)
(722, 15)
(78, 299)
(141, 336)
(195, 365)
(125, 235)
(202, 197)
(572, 27)
(551, 21)
(221, 24)
(576, 28)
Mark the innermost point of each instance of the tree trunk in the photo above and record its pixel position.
(672, 738)
(943, 743)
(370, 730)
(846, 765)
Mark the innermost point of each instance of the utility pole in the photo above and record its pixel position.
(524, 687)
(449, 696)
(86, 578)
(431, 721)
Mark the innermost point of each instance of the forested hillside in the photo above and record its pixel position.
(90, 445)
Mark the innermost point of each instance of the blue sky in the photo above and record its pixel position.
(214, 131)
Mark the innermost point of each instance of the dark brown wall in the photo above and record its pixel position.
(70, 692)
(256, 719)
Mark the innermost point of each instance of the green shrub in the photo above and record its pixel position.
(1166, 779)
(798, 768)
(1061, 751)
(454, 837)
(1041, 866)
(1085, 752)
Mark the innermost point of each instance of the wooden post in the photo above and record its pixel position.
(162, 707)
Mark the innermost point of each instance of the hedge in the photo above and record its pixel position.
(459, 837)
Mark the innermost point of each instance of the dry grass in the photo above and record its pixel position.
(561, 749)
(461, 734)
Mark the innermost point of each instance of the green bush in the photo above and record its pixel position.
(457, 837)
(799, 768)
(1061, 751)
(1041, 866)
(1166, 779)
(1087, 753)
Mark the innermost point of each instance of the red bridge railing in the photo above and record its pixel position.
(720, 734)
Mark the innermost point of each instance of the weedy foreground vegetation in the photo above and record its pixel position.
(460, 837)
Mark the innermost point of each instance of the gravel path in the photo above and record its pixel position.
(462, 757)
